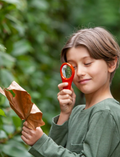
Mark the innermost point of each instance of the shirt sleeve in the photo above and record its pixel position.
(59, 132)
(101, 140)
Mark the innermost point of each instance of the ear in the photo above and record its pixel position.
(112, 65)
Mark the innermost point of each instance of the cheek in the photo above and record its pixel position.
(93, 71)
(98, 69)
(75, 77)
(100, 73)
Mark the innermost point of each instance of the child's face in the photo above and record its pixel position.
(91, 75)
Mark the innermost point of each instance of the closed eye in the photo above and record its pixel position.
(88, 63)
(74, 67)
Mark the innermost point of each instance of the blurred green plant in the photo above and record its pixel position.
(2, 113)
(32, 34)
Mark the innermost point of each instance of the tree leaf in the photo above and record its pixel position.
(6, 59)
(3, 134)
(21, 47)
(2, 113)
(15, 151)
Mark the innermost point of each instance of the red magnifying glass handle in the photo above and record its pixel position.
(70, 79)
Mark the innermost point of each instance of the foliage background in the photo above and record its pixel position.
(32, 34)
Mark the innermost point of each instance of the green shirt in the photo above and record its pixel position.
(93, 132)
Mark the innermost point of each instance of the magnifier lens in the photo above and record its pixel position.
(66, 71)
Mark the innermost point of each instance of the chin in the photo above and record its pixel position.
(87, 91)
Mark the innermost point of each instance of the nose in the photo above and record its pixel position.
(80, 71)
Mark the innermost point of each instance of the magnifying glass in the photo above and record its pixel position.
(67, 74)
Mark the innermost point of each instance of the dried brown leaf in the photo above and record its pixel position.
(20, 102)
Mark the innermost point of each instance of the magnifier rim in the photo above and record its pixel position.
(73, 71)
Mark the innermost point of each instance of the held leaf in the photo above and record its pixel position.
(20, 102)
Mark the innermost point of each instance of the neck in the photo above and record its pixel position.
(93, 98)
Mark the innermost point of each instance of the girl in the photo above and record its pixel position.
(93, 129)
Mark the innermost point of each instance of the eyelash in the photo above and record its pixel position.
(74, 67)
(88, 63)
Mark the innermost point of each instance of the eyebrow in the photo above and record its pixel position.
(81, 58)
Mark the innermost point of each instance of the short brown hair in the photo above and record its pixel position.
(99, 42)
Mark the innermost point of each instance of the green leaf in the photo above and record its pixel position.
(11, 1)
(6, 59)
(40, 4)
(15, 151)
(17, 122)
(2, 48)
(6, 77)
(11, 91)
(9, 129)
(15, 148)
(20, 4)
(21, 47)
(2, 113)
(3, 134)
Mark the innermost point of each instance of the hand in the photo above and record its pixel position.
(30, 136)
(66, 98)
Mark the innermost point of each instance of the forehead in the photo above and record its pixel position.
(79, 52)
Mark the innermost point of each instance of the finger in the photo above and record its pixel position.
(74, 96)
(72, 89)
(25, 139)
(73, 93)
(27, 130)
(65, 102)
(25, 134)
(65, 91)
(26, 125)
(67, 96)
(62, 85)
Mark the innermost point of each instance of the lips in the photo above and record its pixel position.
(84, 81)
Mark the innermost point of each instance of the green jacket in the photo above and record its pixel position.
(94, 132)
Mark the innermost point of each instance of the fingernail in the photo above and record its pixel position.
(66, 83)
